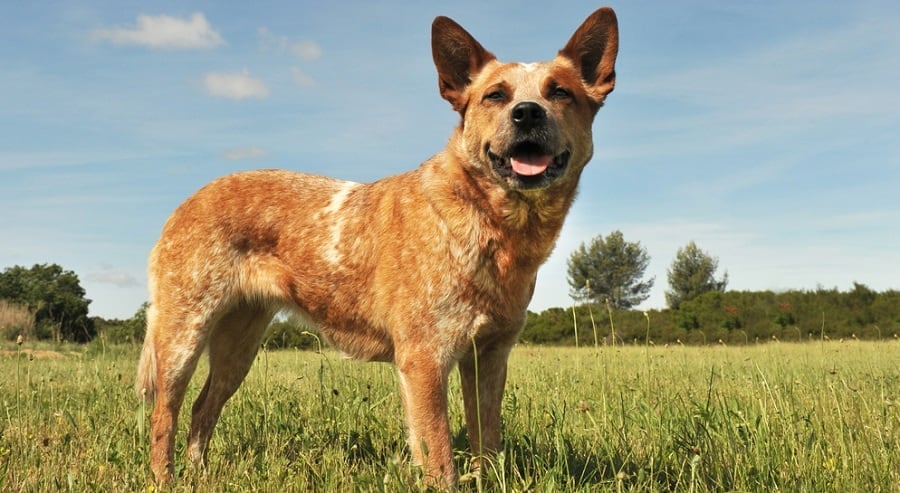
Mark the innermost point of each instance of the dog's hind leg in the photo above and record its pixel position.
(177, 344)
(233, 344)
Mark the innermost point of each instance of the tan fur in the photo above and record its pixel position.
(418, 269)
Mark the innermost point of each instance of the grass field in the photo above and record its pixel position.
(777, 417)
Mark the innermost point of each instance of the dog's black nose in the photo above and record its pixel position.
(528, 114)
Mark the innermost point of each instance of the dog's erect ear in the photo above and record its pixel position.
(458, 58)
(593, 50)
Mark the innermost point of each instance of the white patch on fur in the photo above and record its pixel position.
(336, 222)
(529, 67)
(411, 438)
(183, 353)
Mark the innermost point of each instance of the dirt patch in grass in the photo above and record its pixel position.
(34, 354)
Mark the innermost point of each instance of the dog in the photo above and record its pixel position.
(429, 269)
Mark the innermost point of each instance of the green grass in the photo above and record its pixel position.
(776, 417)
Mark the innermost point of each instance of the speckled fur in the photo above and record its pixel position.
(419, 269)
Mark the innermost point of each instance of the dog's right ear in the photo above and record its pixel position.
(458, 58)
(593, 49)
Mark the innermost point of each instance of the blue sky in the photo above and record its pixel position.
(766, 132)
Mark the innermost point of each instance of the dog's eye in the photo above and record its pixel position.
(495, 96)
(560, 93)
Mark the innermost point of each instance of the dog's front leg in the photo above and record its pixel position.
(423, 385)
(483, 377)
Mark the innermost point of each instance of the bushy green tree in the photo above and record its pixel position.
(56, 298)
(693, 273)
(129, 331)
(611, 269)
(859, 302)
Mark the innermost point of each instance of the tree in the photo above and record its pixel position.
(610, 269)
(136, 326)
(128, 331)
(56, 298)
(693, 273)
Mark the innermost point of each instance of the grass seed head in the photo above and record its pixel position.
(20, 340)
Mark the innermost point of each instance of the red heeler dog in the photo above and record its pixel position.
(428, 269)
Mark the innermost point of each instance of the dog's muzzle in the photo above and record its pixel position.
(529, 165)
(531, 160)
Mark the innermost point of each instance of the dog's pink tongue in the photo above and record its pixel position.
(530, 164)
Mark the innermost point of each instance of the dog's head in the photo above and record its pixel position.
(527, 126)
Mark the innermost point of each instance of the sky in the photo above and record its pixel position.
(766, 132)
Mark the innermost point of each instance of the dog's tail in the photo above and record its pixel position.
(145, 383)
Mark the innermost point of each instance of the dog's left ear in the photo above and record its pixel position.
(593, 50)
(458, 58)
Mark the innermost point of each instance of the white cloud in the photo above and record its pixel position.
(247, 153)
(117, 278)
(301, 79)
(235, 86)
(164, 32)
(306, 50)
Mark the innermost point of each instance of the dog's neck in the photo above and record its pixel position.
(529, 221)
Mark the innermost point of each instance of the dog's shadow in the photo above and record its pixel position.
(523, 459)
(535, 463)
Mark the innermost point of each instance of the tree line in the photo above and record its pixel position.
(606, 276)
(731, 318)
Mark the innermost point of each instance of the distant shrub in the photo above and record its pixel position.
(131, 331)
(291, 334)
(15, 320)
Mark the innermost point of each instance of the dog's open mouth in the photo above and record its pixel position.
(529, 165)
